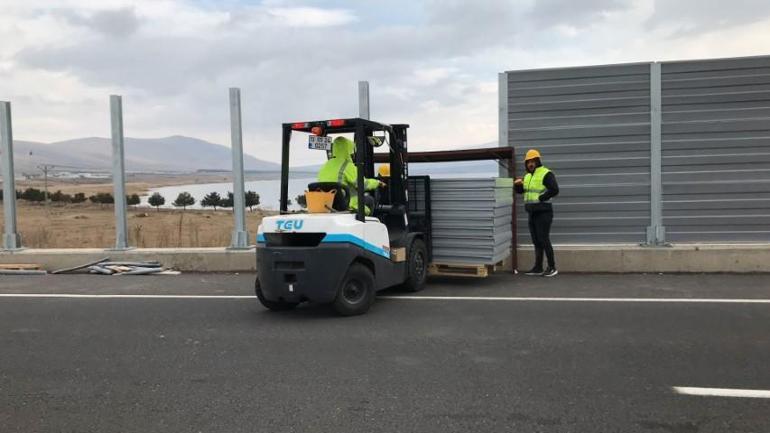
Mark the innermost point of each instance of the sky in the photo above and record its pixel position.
(433, 64)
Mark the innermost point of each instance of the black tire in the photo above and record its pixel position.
(272, 305)
(417, 267)
(356, 292)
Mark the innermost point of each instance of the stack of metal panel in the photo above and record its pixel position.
(471, 220)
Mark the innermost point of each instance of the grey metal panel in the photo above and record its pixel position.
(716, 150)
(603, 72)
(471, 220)
(592, 125)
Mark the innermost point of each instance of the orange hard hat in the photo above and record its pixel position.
(384, 170)
(532, 154)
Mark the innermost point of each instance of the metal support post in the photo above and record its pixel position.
(507, 167)
(240, 236)
(363, 100)
(502, 119)
(11, 238)
(656, 232)
(118, 172)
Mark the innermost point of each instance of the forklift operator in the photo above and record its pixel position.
(340, 168)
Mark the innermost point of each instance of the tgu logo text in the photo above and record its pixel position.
(289, 224)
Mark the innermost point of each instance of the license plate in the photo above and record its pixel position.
(319, 143)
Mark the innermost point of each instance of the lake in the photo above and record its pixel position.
(269, 190)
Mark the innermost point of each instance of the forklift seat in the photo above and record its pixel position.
(341, 198)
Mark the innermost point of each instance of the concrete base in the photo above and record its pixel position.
(569, 258)
(183, 259)
(739, 258)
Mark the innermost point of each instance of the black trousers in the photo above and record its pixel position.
(540, 230)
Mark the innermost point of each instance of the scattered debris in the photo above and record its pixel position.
(106, 266)
(76, 268)
(152, 264)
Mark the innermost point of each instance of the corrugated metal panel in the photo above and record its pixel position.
(592, 125)
(716, 150)
(471, 220)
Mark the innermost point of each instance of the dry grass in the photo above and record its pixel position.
(93, 226)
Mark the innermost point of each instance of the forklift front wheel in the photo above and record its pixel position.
(272, 305)
(417, 267)
(356, 292)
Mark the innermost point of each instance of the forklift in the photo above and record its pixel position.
(344, 256)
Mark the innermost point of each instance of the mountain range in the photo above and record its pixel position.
(175, 154)
(169, 154)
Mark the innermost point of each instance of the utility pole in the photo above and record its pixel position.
(45, 168)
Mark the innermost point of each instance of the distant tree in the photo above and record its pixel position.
(58, 196)
(301, 200)
(183, 200)
(102, 198)
(133, 199)
(252, 199)
(288, 202)
(156, 200)
(78, 198)
(227, 202)
(32, 194)
(211, 199)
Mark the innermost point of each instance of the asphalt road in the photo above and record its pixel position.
(220, 364)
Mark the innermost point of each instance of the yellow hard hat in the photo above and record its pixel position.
(384, 170)
(532, 154)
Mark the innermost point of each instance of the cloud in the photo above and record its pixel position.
(434, 67)
(311, 17)
(120, 22)
(576, 13)
(688, 17)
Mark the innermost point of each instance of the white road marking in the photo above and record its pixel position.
(555, 299)
(405, 298)
(119, 296)
(721, 392)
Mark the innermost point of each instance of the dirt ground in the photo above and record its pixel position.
(87, 225)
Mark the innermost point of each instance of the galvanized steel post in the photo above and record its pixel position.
(363, 100)
(118, 172)
(240, 238)
(502, 117)
(656, 232)
(507, 168)
(11, 239)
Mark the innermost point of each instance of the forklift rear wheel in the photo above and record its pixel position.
(272, 305)
(356, 292)
(417, 265)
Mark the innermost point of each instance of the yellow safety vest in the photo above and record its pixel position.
(533, 185)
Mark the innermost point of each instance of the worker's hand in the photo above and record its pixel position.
(518, 181)
(382, 184)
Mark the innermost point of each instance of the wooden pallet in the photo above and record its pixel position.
(19, 266)
(455, 270)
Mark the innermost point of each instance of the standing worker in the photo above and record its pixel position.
(539, 186)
